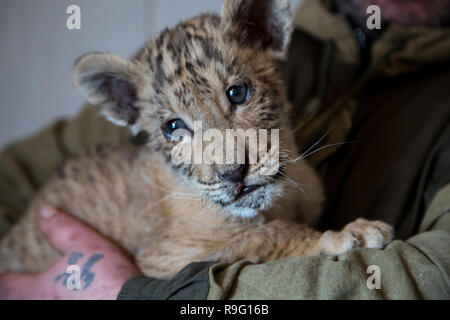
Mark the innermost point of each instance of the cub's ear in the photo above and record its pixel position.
(267, 23)
(112, 83)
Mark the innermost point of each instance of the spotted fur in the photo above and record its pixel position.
(168, 215)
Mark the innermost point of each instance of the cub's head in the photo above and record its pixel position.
(195, 83)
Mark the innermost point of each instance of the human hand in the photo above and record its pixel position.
(103, 267)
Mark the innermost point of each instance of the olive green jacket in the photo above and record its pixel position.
(389, 124)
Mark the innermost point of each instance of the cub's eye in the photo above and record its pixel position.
(175, 129)
(238, 94)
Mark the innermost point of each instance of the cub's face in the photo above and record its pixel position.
(210, 78)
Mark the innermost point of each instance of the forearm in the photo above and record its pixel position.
(406, 272)
(413, 269)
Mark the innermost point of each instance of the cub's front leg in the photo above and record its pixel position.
(282, 238)
(361, 233)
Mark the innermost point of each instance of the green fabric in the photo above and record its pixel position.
(416, 269)
(438, 216)
(191, 283)
(27, 164)
(415, 46)
(385, 133)
(403, 99)
(396, 117)
(406, 273)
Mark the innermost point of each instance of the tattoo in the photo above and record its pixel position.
(75, 257)
(86, 273)
(87, 276)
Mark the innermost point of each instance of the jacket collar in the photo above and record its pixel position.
(398, 50)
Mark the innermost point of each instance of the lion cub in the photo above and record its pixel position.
(223, 72)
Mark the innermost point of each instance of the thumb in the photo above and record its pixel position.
(14, 286)
(66, 233)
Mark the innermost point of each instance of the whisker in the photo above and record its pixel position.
(327, 146)
(315, 144)
(301, 125)
(310, 151)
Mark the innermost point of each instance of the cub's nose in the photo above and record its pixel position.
(236, 174)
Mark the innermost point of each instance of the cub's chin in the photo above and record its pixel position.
(258, 200)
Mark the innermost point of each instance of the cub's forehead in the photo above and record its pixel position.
(192, 64)
(191, 45)
(189, 62)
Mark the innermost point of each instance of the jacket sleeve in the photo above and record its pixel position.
(418, 268)
(26, 165)
(191, 283)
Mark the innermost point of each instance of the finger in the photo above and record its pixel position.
(13, 286)
(66, 233)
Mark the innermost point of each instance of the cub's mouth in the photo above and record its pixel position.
(252, 200)
(244, 190)
(248, 200)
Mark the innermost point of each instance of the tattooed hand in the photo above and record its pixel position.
(91, 267)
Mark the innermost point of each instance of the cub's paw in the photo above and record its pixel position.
(371, 234)
(358, 234)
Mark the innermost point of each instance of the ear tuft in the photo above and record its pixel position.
(267, 23)
(111, 82)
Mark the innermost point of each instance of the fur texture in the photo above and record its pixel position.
(168, 215)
